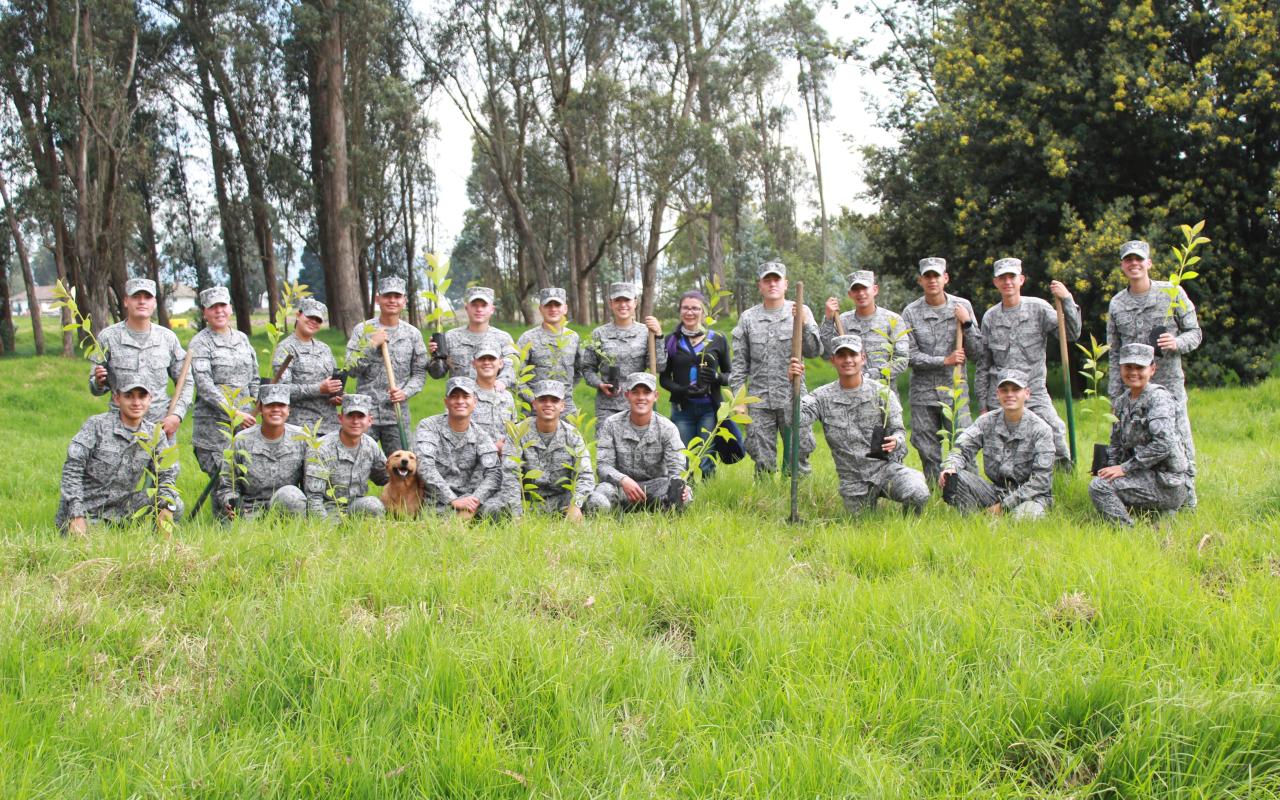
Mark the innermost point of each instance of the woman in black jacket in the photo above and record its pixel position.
(697, 366)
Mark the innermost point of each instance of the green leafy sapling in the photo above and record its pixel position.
(235, 466)
(311, 436)
(1191, 240)
(438, 283)
(1094, 372)
(885, 388)
(156, 480)
(94, 350)
(290, 296)
(700, 447)
(955, 397)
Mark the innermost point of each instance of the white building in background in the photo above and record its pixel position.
(181, 299)
(44, 296)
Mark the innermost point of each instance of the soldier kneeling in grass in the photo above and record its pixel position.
(551, 456)
(1018, 455)
(457, 460)
(639, 455)
(338, 473)
(270, 459)
(106, 466)
(854, 411)
(1150, 468)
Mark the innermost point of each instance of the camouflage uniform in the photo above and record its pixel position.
(1145, 441)
(848, 417)
(629, 347)
(933, 338)
(104, 464)
(761, 354)
(154, 356)
(409, 361)
(1018, 460)
(349, 470)
(463, 344)
(494, 409)
(453, 465)
(312, 365)
(652, 456)
(554, 357)
(878, 344)
(1015, 338)
(1131, 318)
(557, 455)
(217, 361)
(273, 473)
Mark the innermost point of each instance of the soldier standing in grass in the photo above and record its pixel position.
(553, 457)
(883, 332)
(1149, 463)
(495, 410)
(457, 461)
(408, 361)
(1017, 455)
(463, 342)
(1145, 313)
(552, 347)
(338, 473)
(273, 459)
(141, 349)
(222, 363)
(761, 352)
(1014, 334)
(106, 463)
(623, 344)
(639, 455)
(931, 321)
(851, 409)
(314, 395)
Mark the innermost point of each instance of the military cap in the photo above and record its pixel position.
(357, 404)
(392, 284)
(127, 381)
(269, 393)
(487, 349)
(622, 289)
(847, 342)
(933, 264)
(460, 384)
(552, 295)
(863, 277)
(311, 307)
(549, 389)
(1137, 353)
(1136, 247)
(1008, 266)
(212, 296)
(640, 379)
(771, 268)
(1015, 376)
(135, 285)
(478, 293)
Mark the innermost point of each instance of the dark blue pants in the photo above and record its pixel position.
(696, 419)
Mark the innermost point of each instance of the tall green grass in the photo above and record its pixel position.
(719, 654)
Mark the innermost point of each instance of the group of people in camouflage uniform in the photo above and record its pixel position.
(507, 439)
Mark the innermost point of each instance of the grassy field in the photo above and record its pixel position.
(720, 654)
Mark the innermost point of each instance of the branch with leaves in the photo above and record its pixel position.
(290, 296)
(156, 480)
(1191, 240)
(94, 350)
(700, 447)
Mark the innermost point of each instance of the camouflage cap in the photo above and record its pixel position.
(623, 289)
(548, 389)
(128, 381)
(552, 295)
(392, 284)
(771, 268)
(640, 379)
(212, 296)
(1137, 247)
(135, 285)
(488, 349)
(478, 293)
(863, 277)
(933, 264)
(269, 393)
(846, 342)
(1007, 266)
(460, 384)
(1137, 353)
(311, 307)
(357, 404)
(1015, 376)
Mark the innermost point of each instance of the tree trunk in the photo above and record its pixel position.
(226, 212)
(698, 69)
(203, 280)
(37, 328)
(148, 234)
(7, 334)
(812, 113)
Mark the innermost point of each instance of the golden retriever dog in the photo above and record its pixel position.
(404, 491)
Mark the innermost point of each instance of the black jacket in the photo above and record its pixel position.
(675, 378)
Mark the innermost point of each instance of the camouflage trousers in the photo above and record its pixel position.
(286, 500)
(210, 461)
(926, 421)
(762, 440)
(974, 493)
(1140, 489)
(606, 497)
(1041, 405)
(897, 482)
(120, 512)
(367, 506)
(388, 437)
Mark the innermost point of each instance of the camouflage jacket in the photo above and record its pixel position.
(882, 332)
(154, 356)
(1132, 317)
(462, 345)
(312, 364)
(217, 361)
(347, 469)
(1018, 460)
(848, 417)
(105, 464)
(494, 409)
(1146, 435)
(554, 358)
(562, 458)
(629, 349)
(762, 351)
(267, 466)
(408, 360)
(642, 454)
(453, 464)
(1016, 338)
(933, 338)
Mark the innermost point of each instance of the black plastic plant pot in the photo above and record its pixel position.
(877, 444)
(950, 488)
(1099, 458)
(675, 493)
(1154, 339)
(442, 346)
(613, 376)
(340, 375)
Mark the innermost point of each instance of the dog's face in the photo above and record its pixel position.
(402, 464)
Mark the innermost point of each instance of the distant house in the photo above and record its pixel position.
(44, 296)
(180, 299)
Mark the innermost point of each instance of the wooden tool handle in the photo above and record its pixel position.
(179, 383)
(797, 333)
(653, 353)
(386, 362)
(284, 365)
